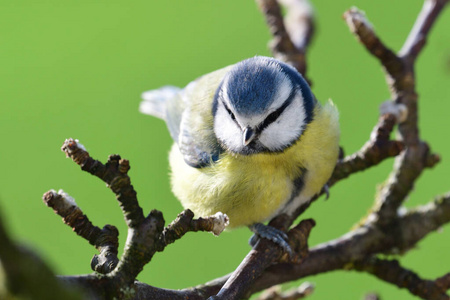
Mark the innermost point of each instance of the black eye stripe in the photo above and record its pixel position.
(274, 116)
(228, 110)
(233, 117)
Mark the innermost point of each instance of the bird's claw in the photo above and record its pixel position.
(326, 190)
(271, 233)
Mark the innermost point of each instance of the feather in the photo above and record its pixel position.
(154, 101)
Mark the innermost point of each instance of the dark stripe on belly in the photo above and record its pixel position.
(299, 183)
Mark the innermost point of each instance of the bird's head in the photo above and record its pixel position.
(262, 105)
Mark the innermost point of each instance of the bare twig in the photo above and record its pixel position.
(418, 35)
(401, 78)
(275, 292)
(146, 235)
(337, 254)
(26, 276)
(368, 239)
(289, 45)
(377, 149)
(391, 271)
(299, 22)
(105, 240)
(143, 231)
(185, 222)
(443, 282)
(263, 255)
(364, 31)
(114, 174)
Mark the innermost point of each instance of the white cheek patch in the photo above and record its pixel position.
(287, 128)
(226, 129)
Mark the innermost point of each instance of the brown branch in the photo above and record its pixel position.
(24, 275)
(363, 30)
(418, 36)
(377, 149)
(66, 207)
(275, 293)
(338, 254)
(391, 271)
(264, 254)
(364, 241)
(146, 235)
(114, 174)
(301, 28)
(443, 282)
(105, 240)
(299, 22)
(417, 156)
(185, 222)
(401, 78)
(143, 232)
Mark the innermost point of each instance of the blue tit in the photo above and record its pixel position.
(251, 141)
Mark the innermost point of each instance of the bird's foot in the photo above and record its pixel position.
(326, 190)
(271, 233)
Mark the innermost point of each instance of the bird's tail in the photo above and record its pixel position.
(154, 102)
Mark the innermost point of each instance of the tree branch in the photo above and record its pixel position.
(275, 293)
(418, 36)
(369, 239)
(401, 79)
(292, 36)
(377, 149)
(143, 231)
(24, 275)
(185, 222)
(363, 30)
(146, 235)
(391, 271)
(114, 174)
(105, 240)
(338, 254)
(264, 254)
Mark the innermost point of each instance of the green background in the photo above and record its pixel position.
(77, 69)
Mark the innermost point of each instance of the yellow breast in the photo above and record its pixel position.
(251, 189)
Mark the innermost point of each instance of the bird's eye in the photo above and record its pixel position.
(272, 117)
(229, 112)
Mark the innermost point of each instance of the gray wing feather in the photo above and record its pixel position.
(175, 108)
(154, 102)
(196, 139)
(188, 114)
(199, 147)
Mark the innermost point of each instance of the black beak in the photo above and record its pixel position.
(248, 136)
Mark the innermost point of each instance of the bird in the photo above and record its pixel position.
(250, 141)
